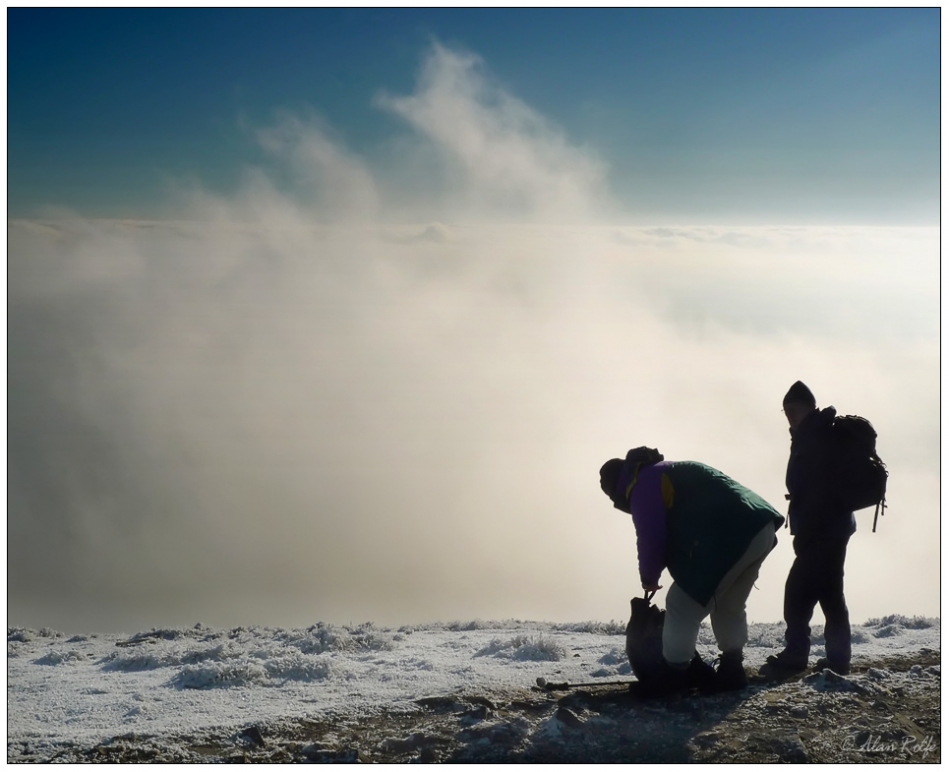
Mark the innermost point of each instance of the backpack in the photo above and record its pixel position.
(644, 639)
(861, 472)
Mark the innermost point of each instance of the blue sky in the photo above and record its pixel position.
(737, 115)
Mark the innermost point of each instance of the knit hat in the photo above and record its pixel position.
(800, 393)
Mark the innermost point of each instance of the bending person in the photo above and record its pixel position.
(713, 535)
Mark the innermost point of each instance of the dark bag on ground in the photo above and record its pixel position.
(644, 639)
(644, 647)
(862, 474)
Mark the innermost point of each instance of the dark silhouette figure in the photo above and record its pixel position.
(821, 527)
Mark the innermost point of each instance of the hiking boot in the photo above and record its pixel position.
(700, 675)
(840, 668)
(730, 675)
(783, 665)
(665, 683)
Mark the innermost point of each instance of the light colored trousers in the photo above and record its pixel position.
(727, 607)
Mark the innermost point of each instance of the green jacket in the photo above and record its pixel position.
(695, 521)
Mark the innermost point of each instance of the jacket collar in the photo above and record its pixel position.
(623, 485)
(817, 419)
(636, 459)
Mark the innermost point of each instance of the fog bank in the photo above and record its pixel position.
(310, 401)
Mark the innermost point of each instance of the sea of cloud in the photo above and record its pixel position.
(343, 394)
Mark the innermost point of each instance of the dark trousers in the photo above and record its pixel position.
(817, 576)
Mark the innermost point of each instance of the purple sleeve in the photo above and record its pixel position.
(649, 517)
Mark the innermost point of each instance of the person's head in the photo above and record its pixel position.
(613, 470)
(799, 403)
(609, 474)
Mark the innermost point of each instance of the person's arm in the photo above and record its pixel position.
(649, 516)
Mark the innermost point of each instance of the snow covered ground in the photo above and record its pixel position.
(78, 691)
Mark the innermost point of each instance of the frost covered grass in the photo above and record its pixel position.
(525, 647)
(60, 657)
(85, 689)
(25, 634)
(598, 628)
(898, 620)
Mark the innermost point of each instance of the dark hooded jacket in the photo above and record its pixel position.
(812, 481)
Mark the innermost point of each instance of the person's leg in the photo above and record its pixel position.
(681, 627)
(727, 608)
(832, 602)
(728, 616)
(801, 593)
(800, 598)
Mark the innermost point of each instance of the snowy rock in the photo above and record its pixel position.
(475, 714)
(616, 656)
(429, 755)
(477, 699)
(314, 751)
(569, 718)
(408, 744)
(551, 730)
(790, 749)
(706, 740)
(254, 735)
(505, 733)
(443, 703)
(322, 754)
(829, 681)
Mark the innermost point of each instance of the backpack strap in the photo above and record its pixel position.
(881, 504)
(879, 510)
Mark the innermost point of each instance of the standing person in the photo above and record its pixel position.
(821, 527)
(713, 535)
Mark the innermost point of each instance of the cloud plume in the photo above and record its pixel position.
(506, 159)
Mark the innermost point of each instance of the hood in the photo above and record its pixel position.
(815, 420)
(635, 459)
